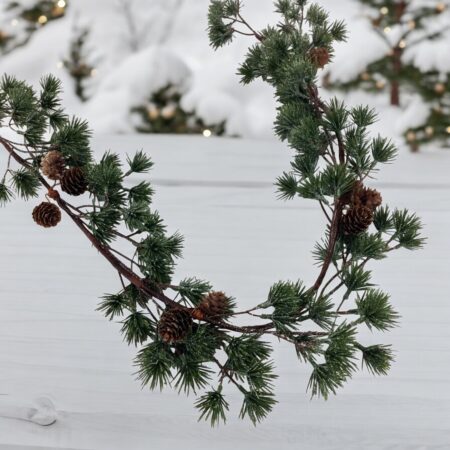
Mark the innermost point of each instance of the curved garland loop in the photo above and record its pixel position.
(188, 333)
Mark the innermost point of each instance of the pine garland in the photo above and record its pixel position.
(193, 337)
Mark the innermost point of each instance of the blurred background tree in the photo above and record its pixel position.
(403, 25)
(24, 18)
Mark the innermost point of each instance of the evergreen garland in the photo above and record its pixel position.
(190, 336)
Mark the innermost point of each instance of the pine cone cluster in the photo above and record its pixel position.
(360, 204)
(73, 181)
(53, 165)
(174, 325)
(47, 215)
(213, 305)
(320, 56)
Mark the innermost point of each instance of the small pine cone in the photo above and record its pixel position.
(214, 305)
(320, 56)
(174, 324)
(357, 220)
(47, 215)
(353, 197)
(371, 198)
(73, 181)
(53, 165)
(362, 196)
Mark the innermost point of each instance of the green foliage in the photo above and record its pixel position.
(72, 140)
(336, 116)
(221, 33)
(383, 219)
(140, 162)
(321, 311)
(356, 278)
(287, 185)
(363, 116)
(407, 230)
(137, 328)
(141, 193)
(339, 363)
(289, 301)
(155, 362)
(193, 290)
(5, 194)
(157, 254)
(366, 245)
(377, 358)
(25, 183)
(257, 405)
(383, 150)
(191, 374)
(213, 406)
(113, 305)
(375, 310)
(243, 351)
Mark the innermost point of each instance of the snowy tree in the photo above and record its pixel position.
(24, 17)
(415, 33)
(79, 62)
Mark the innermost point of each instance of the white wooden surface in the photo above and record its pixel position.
(219, 194)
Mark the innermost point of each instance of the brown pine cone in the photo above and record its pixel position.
(320, 56)
(47, 215)
(214, 305)
(74, 182)
(362, 196)
(371, 198)
(174, 324)
(53, 165)
(357, 220)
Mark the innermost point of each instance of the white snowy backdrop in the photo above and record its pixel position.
(142, 45)
(219, 194)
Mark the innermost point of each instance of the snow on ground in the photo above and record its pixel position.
(219, 193)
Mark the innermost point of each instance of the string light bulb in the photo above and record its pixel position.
(384, 10)
(365, 76)
(153, 112)
(412, 24)
(14, 23)
(387, 30)
(441, 7)
(57, 11)
(61, 3)
(402, 44)
(207, 133)
(380, 84)
(411, 136)
(448, 130)
(439, 88)
(429, 131)
(42, 19)
(168, 112)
